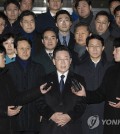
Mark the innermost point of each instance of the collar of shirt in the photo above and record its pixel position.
(61, 37)
(9, 60)
(59, 76)
(49, 51)
(52, 14)
(95, 62)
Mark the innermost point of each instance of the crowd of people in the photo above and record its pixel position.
(41, 54)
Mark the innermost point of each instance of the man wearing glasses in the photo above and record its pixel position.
(63, 114)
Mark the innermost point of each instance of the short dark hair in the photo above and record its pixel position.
(21, 38)
(49, 29)
(110, 1)
(116, 9)
(94, 36)
(61, 48)
(6, 36)
(3, 16)
(82, 25)
(27, 13)
(116, 42)
(62, 12)
(32, 1)
(77, 2)
(103, 13)
(61, 1)
(15, 2)
(2, 49)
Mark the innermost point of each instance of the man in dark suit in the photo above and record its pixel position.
(11, 10)
(11, 100)
(44, 57)
(62, 113)
(93, 70)
(46, 20)
(26, 75)
(27, 23)
(26, 5)
(109, 91)
(63, 22)
(65, 37)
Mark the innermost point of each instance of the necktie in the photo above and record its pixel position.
(64, 41)
(62, 83)
(50, 55)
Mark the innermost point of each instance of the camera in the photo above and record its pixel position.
(76, 85)
(48, 85)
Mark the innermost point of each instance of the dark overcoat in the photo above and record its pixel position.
(10, 97)
(65, 102)
(24, 80)
(93, 77)
(108, 91)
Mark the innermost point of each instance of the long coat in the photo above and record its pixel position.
(8, 97)
(65, 102)
(24, 80)
(93, 77)
(108, 91)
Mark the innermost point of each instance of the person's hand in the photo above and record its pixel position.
(12, 110)
(63, 120)
(80, 92)
(43, 90)
(56, 117)
(115, 105)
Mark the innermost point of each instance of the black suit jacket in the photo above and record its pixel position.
(44, 21)
(65, 102)
(71, 42)
(43, 58)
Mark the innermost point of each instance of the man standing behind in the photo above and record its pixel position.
(64, 22)
(93, 70)
(45, 56)
(102, 22)
(115, 26)
(26, 75)
(47, 19)
(65, 113)
(12, 11)
(26, 5)
(81, 32)
(84, 9)
(109, 91)
(27, 23)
